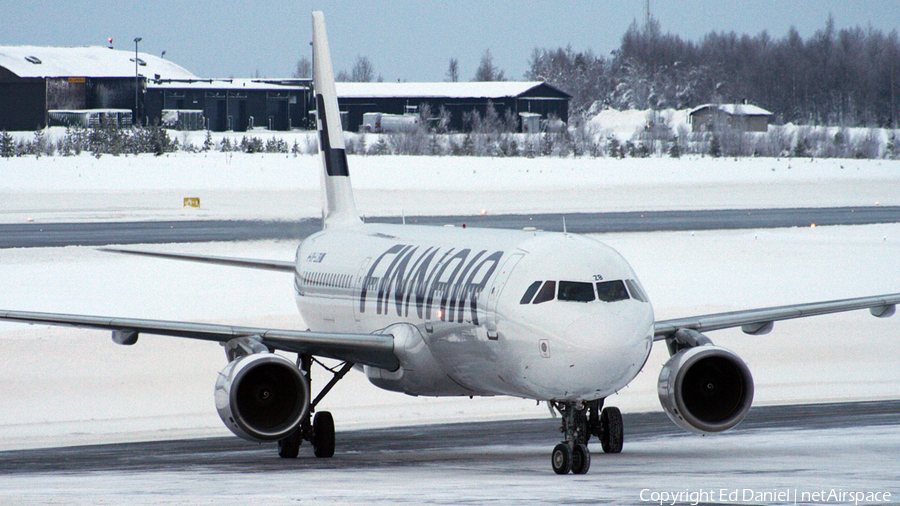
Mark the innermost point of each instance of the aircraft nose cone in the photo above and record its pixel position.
(605, 336)
(614, 347)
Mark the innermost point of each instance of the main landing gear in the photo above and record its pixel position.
(318, 427)
(579, 422)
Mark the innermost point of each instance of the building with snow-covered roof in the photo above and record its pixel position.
(232, 104)
(86, 85)
(35, 80)
(741, 117)
(458, 99)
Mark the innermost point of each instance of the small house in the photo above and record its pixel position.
(740, 117)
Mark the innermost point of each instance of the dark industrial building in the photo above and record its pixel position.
(459, 99)
(41, 86)
(37, 80)
(230, 104)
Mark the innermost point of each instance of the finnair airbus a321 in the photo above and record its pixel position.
(440, 311)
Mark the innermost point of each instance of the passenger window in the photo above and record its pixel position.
(575, 291)
(530, 292)
(611, 291)
(636, 291)
(548, 292)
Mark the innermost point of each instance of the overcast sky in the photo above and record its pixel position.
(407, 40)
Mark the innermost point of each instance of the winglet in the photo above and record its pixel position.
(338, 207)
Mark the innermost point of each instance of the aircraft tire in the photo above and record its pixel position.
(581, 459)
(289, 447)
(323, 435)
(561, 459)
(612, 430)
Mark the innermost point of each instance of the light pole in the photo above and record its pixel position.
(136, 82)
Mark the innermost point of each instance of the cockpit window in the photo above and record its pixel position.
(611, 291)
(548, 292)
(575, 291)
(636, 291)
(530, 292)
(581, 291)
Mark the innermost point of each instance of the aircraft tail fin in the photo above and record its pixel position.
(338, 207)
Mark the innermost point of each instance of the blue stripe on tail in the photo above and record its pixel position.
(335, 158)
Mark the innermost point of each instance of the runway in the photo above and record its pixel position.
(34, 235)
(778, 455)
(442, 445)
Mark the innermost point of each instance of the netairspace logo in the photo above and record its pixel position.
(755, 496)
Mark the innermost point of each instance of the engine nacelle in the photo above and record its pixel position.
(262, 397)
(705, 389)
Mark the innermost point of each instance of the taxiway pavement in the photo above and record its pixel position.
(34, 235)
(448, 445)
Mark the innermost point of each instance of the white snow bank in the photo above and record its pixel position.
(267, 186)
(624, 125)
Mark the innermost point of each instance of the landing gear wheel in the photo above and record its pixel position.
(561, 458)
(612, 432)
(323, 435)
(581, 459)
(289, 447)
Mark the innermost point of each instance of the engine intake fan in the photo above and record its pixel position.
(262, 397)
(705, 388)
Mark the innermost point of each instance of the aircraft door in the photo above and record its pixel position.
(492, 318)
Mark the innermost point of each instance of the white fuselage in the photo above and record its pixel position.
(454, 299)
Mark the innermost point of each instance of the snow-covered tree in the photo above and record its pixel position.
(7, 145)
(582, 75)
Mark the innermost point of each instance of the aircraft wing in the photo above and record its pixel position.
(272, 265)
(376, 350)
(760, 321)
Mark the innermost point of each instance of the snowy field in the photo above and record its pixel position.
(270, 186)
(69, 386)
(93, 391)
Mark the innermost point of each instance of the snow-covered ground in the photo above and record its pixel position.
(684, 273)
(817, 466)
(94, 391)
(69, 386)
(270, 186)
(63, 386)
(625, 124)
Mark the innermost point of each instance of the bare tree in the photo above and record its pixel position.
(303, 70)
(453, 71)
(363, 70)
(486, 70)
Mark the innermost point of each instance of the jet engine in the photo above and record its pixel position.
(705, 388)
(262, 397)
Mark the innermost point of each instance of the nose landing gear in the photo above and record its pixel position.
(579, 422)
